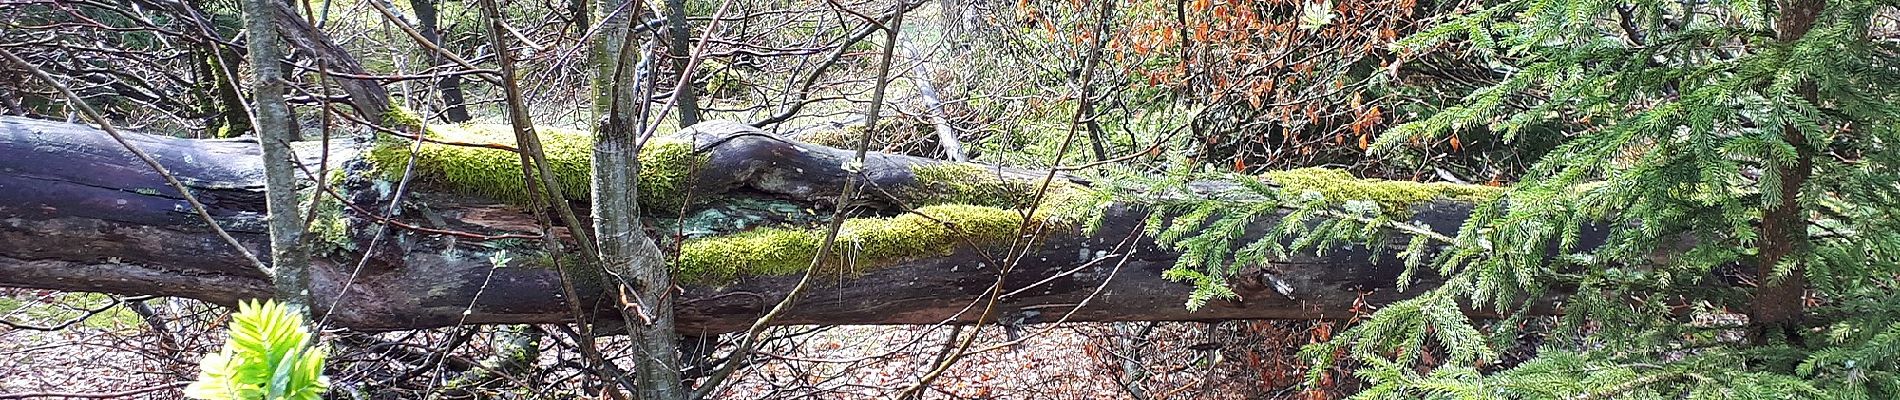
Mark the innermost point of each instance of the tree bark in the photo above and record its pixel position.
(454, 107)
(921, 75)
(76, 213)
(679, 49)
(225, 108)
(367, 96)
(1086, 105)
(290, 259)
(892, 30)
(645, 281)
(1778, 305)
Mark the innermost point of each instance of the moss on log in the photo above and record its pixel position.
(463, 159)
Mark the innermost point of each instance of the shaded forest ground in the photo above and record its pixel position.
(119, 351)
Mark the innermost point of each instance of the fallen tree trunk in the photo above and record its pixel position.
(79, 213)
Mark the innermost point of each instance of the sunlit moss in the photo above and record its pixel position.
(1394, 196)
(665, 163)
(397, 116)
(957, 205)
(862, 244)
(957, 183)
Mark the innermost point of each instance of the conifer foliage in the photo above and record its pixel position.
(1718, 222)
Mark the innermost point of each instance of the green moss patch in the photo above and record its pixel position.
(968, 184)
(1395, 197)
(863, 243)
(402, 117)
(664, 176)
(331, 229)
(953, 183)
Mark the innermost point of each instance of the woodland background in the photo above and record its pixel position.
(1159, 96)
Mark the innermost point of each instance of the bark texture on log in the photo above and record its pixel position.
(77, 213)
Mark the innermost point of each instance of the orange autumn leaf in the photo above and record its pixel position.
(1455, 144)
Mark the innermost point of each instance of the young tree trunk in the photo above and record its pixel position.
(290, 260)
(538, 176)
(454, 107)
(679, 49)
(892, 30)
(625, 249)
(221, 68)
(1779, 306)
(1097, 143)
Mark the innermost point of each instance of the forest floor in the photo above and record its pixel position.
(118, 352)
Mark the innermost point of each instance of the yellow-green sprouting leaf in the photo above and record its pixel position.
(268, 356)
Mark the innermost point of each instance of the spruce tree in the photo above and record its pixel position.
(1718, 222)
